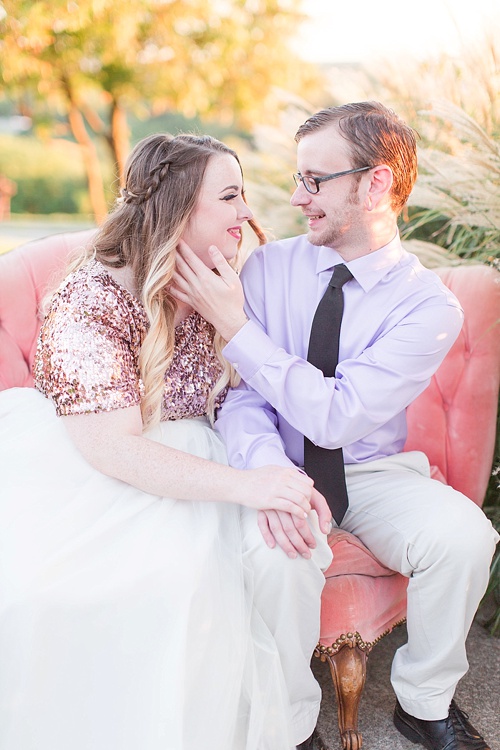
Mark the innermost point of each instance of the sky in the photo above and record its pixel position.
(360, 30)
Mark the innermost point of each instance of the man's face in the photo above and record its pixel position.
(334, 215)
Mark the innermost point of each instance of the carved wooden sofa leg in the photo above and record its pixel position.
(348, 669)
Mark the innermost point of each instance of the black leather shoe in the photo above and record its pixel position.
(453, 733)
(312, 743)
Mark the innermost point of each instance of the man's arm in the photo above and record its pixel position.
(392, 348)
(248, 426)
(368, 390)
(394, 340)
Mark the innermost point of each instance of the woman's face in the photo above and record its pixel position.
(220, 211)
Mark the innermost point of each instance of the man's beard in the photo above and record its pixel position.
(332, 234)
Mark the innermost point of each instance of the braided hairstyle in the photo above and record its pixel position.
(163, 180)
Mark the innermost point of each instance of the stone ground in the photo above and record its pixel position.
(478, 694)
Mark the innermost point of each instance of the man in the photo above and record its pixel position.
(356, 168)
(299, 406)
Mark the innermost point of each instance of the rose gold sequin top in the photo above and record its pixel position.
(88, 351)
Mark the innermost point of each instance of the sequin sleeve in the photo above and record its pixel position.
(87, 355)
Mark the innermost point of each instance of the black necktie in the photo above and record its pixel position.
(326, 466)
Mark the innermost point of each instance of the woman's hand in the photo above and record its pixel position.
(275, 488)
(218, 299)
(293, 534)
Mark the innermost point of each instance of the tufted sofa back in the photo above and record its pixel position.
(454, 420)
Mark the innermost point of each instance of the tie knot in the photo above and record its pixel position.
(341, 275)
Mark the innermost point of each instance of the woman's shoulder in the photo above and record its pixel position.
(89, 343)
(91, 295)
(92, 279)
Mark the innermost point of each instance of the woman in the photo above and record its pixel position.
(126, 616)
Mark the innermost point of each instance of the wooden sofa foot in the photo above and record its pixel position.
(348, 670)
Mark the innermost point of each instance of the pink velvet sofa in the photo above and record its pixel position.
(25, 274)
(453, 422)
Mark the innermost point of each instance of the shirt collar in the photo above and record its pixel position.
(367, 270)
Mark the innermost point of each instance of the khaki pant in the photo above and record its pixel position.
(443, 543)
(287, 594)
(430, 533)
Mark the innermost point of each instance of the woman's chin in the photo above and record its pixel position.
(230, 253)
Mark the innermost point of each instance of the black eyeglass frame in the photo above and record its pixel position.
(298, 178)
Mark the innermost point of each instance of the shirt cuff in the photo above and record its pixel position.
(249, 349)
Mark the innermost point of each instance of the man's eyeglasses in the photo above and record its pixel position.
(312, 184)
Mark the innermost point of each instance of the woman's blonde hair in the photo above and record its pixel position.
(163, 179)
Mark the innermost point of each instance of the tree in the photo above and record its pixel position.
(95, 60)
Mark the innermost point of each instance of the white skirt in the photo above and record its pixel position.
(126, 619)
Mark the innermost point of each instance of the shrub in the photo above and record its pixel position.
(49, 175)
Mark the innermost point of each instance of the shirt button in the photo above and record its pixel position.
(236, 365)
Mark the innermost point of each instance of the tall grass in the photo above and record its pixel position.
(457, 193)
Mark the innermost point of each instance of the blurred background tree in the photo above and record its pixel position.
(91, 63)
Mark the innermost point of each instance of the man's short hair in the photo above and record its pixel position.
(376, 135)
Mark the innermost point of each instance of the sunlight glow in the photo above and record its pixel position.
(363, 30)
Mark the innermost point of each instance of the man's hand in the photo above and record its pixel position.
(291, 533)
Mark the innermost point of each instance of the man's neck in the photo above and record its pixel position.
(378, 235)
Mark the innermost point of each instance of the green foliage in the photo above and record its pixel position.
(492, 509)
(46, 195)
(493, 591)
(467, 242)
(49, 175)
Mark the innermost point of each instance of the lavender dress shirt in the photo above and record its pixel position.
(399, 322)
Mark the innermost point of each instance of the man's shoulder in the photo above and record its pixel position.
(427, 280)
